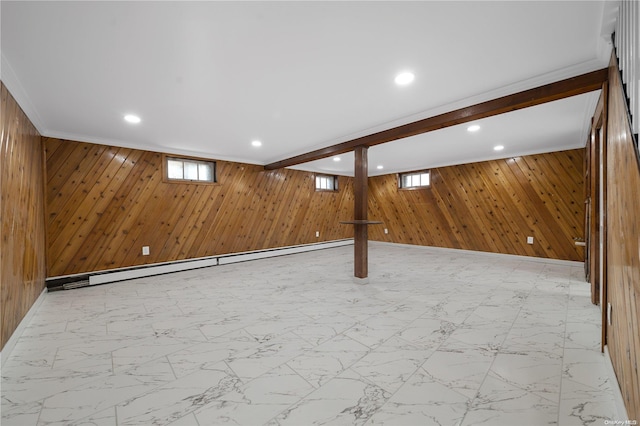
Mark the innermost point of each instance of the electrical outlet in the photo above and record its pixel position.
(145, 250)
(386, 231)
(529, 240)
(317, 234)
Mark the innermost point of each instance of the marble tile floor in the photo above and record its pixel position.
(435, 338)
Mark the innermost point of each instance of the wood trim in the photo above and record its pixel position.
(604, 283)
(361, 232)
(573, 86)
(594, 211)
(45, 211)
(360, 183)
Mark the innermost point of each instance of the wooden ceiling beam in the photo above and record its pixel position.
(548, 93)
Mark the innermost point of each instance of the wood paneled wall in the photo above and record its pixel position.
(489, 206)
(623, 247)
(22, 247)
(105, 203)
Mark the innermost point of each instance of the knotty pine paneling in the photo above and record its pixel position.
(104, 203)
(623, 247)
(22, 247)
(489, 206)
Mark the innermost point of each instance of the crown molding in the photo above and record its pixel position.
(17, 90)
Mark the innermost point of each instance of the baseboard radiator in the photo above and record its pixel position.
(70, 282)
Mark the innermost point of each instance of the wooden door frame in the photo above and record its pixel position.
(598, 138)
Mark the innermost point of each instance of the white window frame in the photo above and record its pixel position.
(414, 180)
(324, 183)
(200, 166)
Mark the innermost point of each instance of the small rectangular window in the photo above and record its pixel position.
(414, 180)
(191, 170)
(326, 183)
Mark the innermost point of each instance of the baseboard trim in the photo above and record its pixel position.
(282, 251)
(122, 274)
(486, 253)
(15, 336)
(150, 270)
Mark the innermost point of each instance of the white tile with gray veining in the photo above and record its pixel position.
(436, 338)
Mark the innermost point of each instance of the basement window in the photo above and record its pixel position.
(414, 180)
(190, 170)
(326, 183)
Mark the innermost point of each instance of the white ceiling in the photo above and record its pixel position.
(207, 78)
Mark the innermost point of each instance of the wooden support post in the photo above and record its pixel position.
(361, 235)
(360, 220)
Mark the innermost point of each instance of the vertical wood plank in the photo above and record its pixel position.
(22, 244)
(623, 246)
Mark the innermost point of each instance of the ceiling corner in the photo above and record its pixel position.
(12, 82)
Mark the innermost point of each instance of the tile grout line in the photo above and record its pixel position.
(564, 346)
(533, 285)
(538, 281)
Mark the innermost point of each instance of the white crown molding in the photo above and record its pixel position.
(146, 147)
(483, 159)
(11, 80)
(610, 11)
(541, 80)
(589, 111)
(548, 78)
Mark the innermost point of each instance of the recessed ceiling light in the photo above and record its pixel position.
(498, 148)
(380, 167)
(473, 128)
(336, 159)
(404, 78)
(130, 118)
(256, 143)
